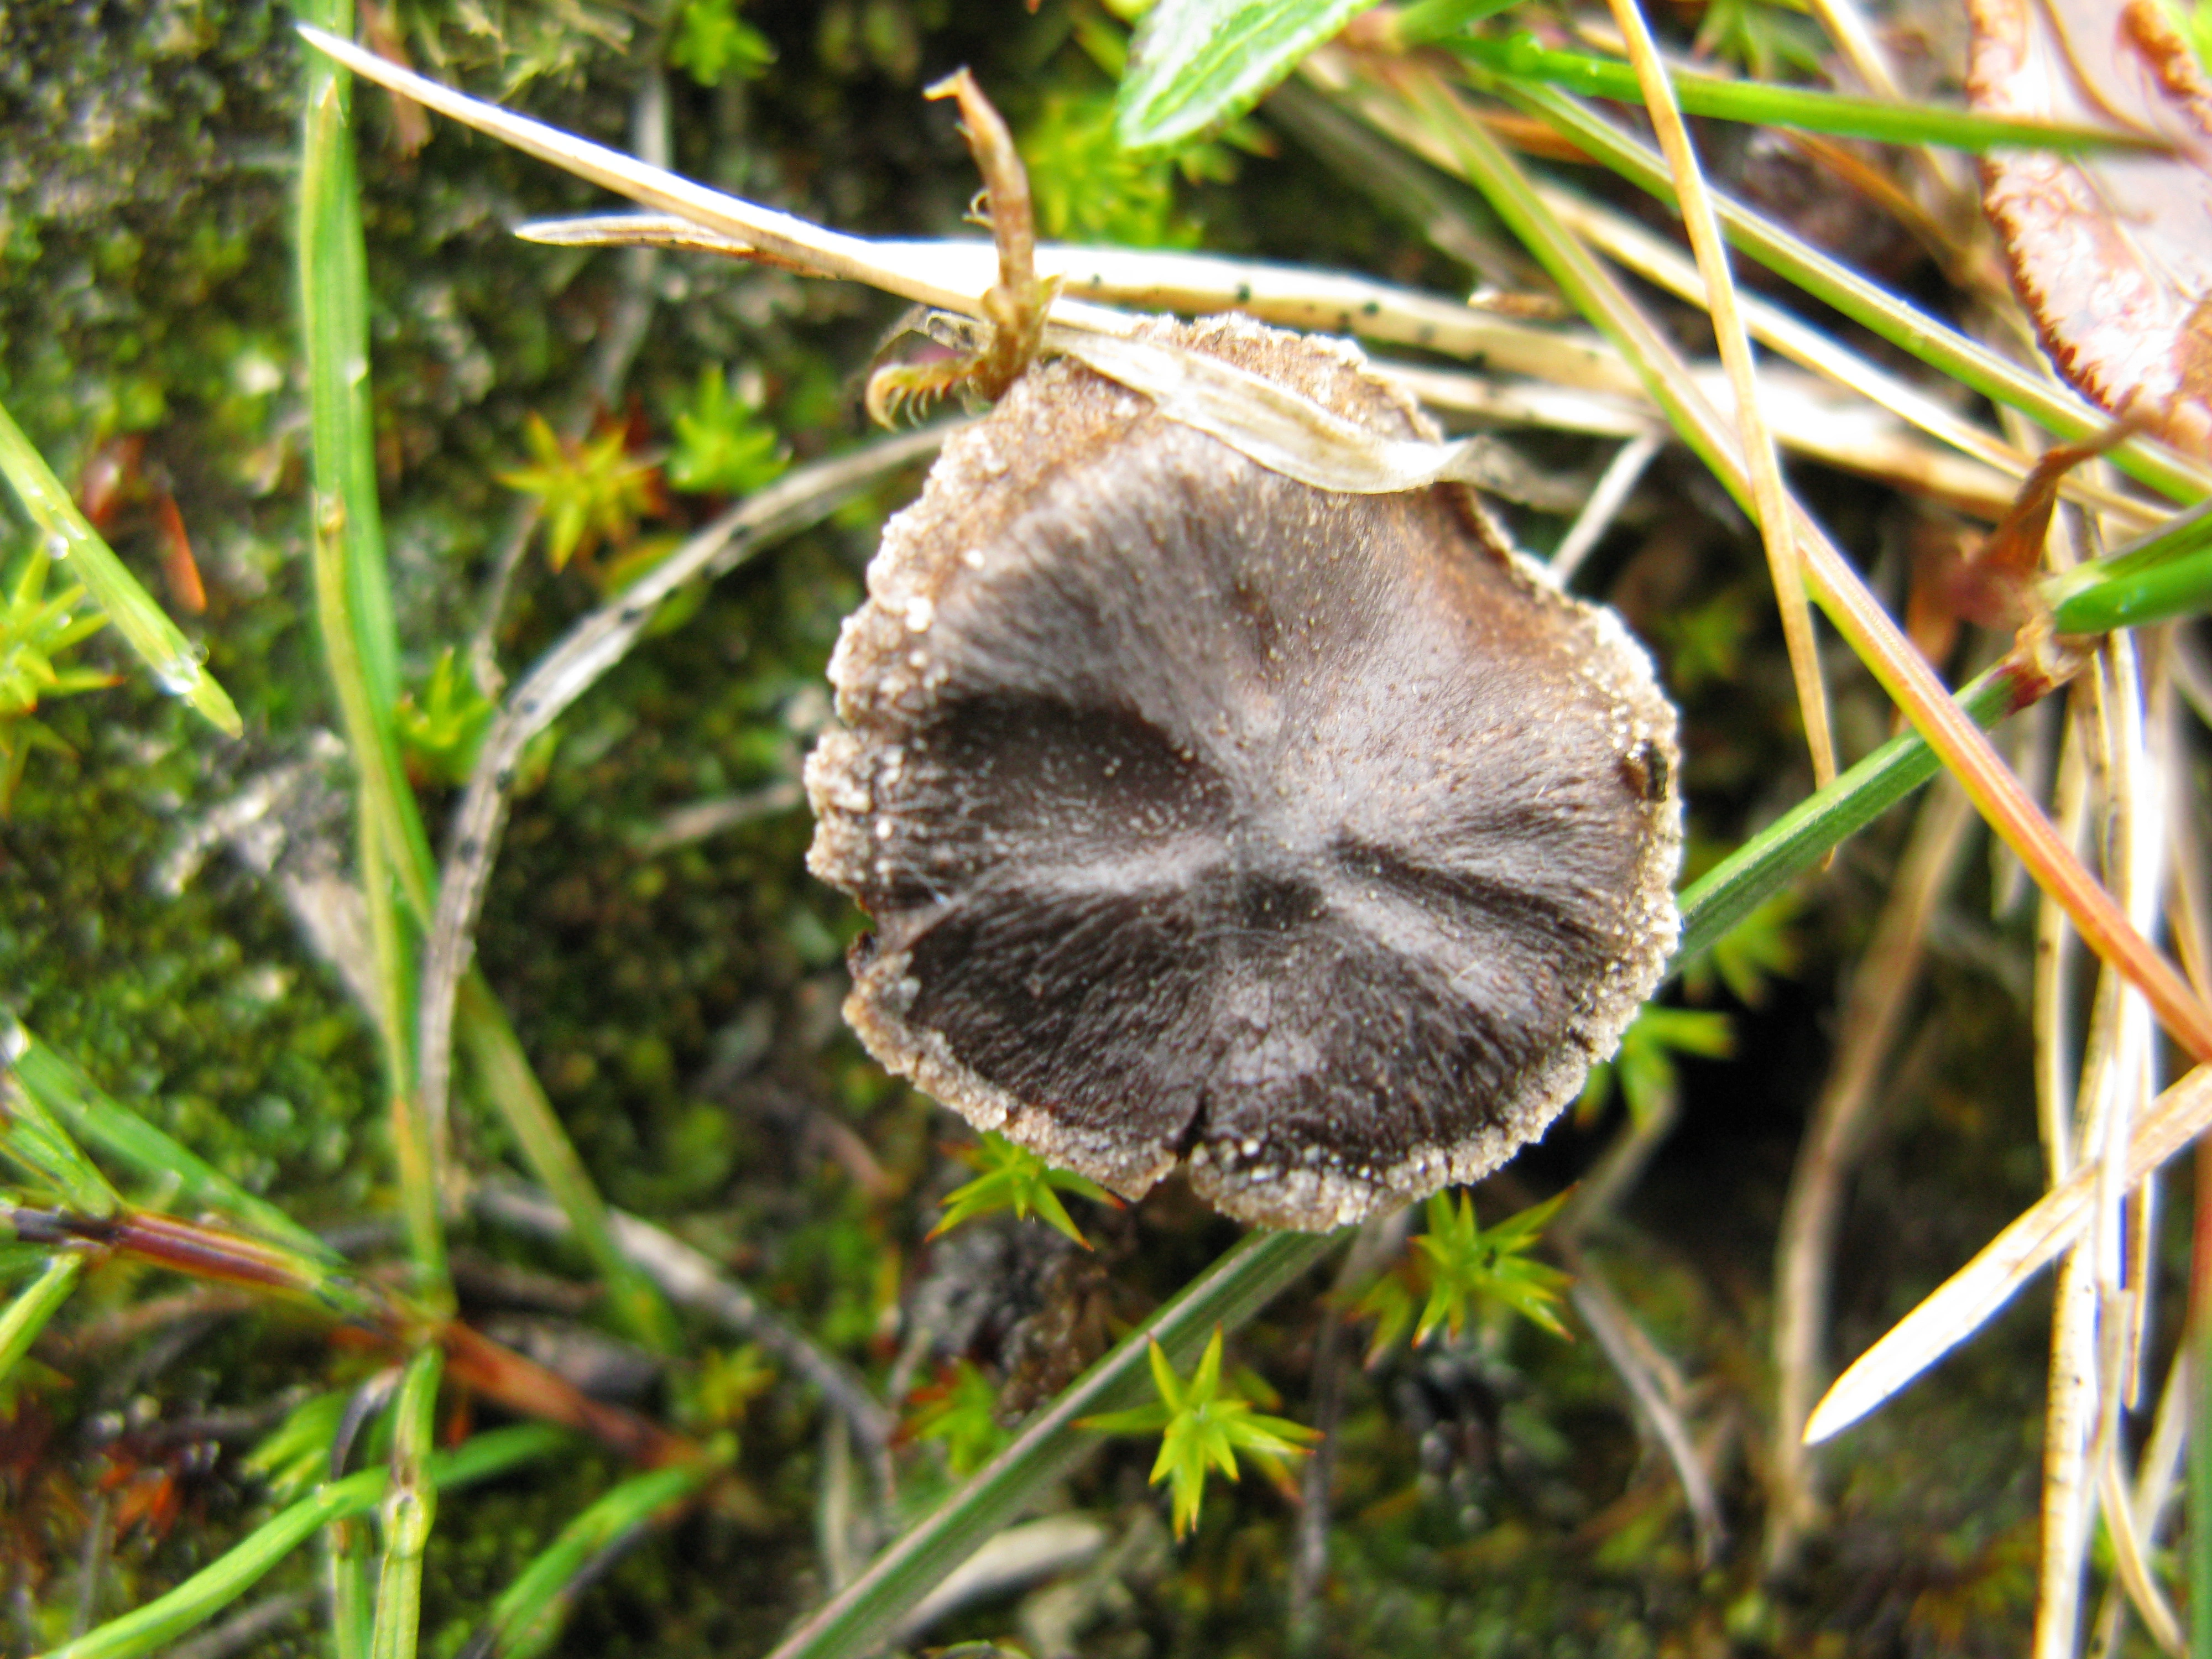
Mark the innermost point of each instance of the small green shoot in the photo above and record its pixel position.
(590, 490)
(1644, 1065)
(723, 446)
(1011, 1177)
(35, 631)
(1203, 1422)
(1455, 1266)
(442, 725)
(713, 43)
(960, 1412)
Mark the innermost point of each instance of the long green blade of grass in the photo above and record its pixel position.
(2165, 574)
(22, 1319)
(355, 607)
(1524, 58)
(1803, 835)
(408, 1509)
(95, 1118)
(31, 1137)
(150, 1629)
(174, 660)
(527, 1618)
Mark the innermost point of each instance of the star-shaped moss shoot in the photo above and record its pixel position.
(1203, 1422)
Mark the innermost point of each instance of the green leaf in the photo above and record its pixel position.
(1198, 62)
(30, 1136)
(442, 726)
(1464, 1267)
(1644, 1065)
(2165, 574)
(22, 1319)
(863, 1614)
(294, 1458)
(1456, 1266)
(589, 490)
(1011, 1177)
(91, 1115)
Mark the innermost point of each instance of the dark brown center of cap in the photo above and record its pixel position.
(1206, 815)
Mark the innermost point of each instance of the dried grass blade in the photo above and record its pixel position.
(1970, 1297)
(1653, 259)
(1763, 464)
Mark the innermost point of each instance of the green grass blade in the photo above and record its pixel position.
(38, 1301)
(95, 1118)
(1227, 1294)
(1897, 320)
(527, 1618)
(1524, 58)
(30, 1135)
(408, 1511)
(174, 660)
(353, 608)
(1802, 836)
(500, 1062)
(334, 299)
(351, 1601)
(2165, 574)
(149, 1628)
(1196, 64)
(2135, 597)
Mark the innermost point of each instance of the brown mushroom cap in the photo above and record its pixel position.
(1205, 814)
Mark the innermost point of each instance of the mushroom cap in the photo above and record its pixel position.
(1309, 838)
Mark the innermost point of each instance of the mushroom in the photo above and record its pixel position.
(1309, 840)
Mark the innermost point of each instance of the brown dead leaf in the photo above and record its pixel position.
(2112, 253)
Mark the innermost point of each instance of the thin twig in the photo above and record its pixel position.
(1379, 1238)
(1882, 988)
(1617, 1335)
(1606, 497)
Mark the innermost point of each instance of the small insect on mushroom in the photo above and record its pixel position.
(1306, 838)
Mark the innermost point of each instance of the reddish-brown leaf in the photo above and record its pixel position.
(2112, 253)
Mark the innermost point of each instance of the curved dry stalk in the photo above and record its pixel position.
(1882, 987)
(1628, 1349)
(1762, 465)
(565, 673)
